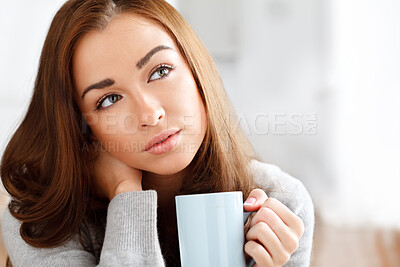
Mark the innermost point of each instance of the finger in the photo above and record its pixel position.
(259, 254)
(255, 200)
(287, 216)
(287, 237)
(262, 233)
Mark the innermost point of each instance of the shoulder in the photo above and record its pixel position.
(9, 226)
(10, 230)
(23, 254)
(282, 186)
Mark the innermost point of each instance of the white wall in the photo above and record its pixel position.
(366, 71)
(336, 58)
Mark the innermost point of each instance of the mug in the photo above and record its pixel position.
(211, 229)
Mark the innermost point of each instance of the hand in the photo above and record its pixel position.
(274, 231)
(112, 176)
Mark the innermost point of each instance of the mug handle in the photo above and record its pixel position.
(246, 215)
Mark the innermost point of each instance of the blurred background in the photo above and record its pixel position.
(316, 86)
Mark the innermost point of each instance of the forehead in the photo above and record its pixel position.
(127, 37)
(125, 28)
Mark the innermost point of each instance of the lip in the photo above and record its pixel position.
(160, 137)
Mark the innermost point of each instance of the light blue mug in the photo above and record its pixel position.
(211, 229)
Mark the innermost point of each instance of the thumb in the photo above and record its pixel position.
(255, 200)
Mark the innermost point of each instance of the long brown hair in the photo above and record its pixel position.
(45, 169)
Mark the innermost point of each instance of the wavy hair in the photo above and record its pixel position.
(45, 169)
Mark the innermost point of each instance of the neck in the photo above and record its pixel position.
(167, 187)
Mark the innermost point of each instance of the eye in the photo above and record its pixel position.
(107, 101)
(160, 72)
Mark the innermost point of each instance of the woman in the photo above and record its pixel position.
(129, 111)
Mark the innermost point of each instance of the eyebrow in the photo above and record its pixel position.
(108, 82)
(147, 57)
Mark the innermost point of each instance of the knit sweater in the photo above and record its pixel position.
(131, 237)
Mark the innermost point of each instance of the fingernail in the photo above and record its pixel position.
(250, 201)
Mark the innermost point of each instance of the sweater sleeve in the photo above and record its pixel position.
(293, 194)
(130, 239)
(305, 210)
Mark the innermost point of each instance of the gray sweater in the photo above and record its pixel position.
(131, 237)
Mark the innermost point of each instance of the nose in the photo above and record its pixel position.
(152, 119)
(151, 113)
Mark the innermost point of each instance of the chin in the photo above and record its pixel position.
(169, 165)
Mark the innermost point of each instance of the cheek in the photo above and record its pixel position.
(117, 134)
(123, 121)
(188, 104)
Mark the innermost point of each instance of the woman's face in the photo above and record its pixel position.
(142, 87)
